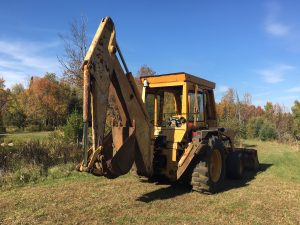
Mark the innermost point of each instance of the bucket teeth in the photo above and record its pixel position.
(109, 161)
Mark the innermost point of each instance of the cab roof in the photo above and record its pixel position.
(178, 77)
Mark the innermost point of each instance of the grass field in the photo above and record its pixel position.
(25, 136)
(271, 196)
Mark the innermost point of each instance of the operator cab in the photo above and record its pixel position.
(179, 100)
(178, 104)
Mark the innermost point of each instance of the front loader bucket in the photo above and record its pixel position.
(249, 158)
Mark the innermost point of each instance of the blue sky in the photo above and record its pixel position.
(252, 46)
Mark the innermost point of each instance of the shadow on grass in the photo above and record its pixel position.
(164, 193)
(248, 176)
(179, 189)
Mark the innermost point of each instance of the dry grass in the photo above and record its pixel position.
(267, 198)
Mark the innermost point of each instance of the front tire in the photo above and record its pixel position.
(209, 172)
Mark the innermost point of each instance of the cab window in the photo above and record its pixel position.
(194, 109)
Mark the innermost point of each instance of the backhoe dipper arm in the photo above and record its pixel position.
(131, 141)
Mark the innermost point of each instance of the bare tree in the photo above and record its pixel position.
(75, 46)
(247, 99)
(145, 71)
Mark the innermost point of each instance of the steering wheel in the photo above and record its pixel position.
(175, 122)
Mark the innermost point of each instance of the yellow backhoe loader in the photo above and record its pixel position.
(167, 129)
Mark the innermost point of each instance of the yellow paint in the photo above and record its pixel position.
(196, 105)
(169, 84)
(171, 79)
(184, 99)
(155, 110)
(176, 135)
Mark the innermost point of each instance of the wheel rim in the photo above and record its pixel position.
(215, 165)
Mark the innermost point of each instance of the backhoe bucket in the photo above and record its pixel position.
(123, 150)
(115, 157)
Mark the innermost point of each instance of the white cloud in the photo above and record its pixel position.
(273, 25)
(294, 90)
(222, 88)
(18, 60)
(288, 98)
(285, 101)
(277, 29)
(275, 74)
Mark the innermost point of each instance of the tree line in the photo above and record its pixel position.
(48, 102)
(43, 105)
(271, 122)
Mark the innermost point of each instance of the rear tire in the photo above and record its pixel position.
(209, 172)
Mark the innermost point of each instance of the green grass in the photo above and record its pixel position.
(284, 160)
(25, 136)
(270, 197)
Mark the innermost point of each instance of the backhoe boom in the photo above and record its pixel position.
(104, 76)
